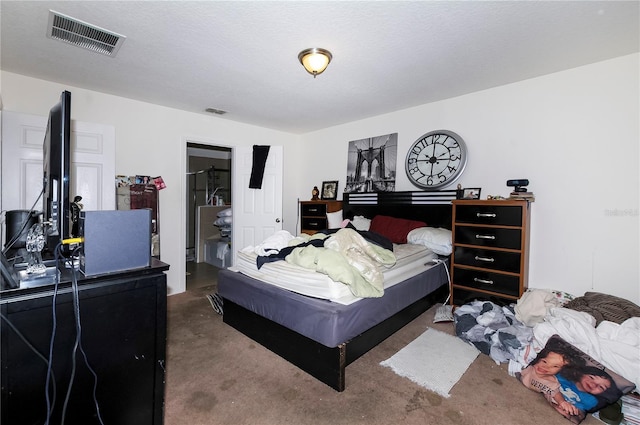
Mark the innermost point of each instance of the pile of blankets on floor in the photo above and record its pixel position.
(493, 330)
(603, 326)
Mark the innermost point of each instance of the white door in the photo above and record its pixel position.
(92, 163)
(257, 213)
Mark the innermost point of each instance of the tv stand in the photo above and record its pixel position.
(123, 322)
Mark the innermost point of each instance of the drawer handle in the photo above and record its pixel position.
(485, 259)
(486, 215)
(313, 210)
(486, 237)
(488, 282)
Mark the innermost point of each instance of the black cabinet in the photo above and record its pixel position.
(491, 250)
(314, 215)
(122, 322)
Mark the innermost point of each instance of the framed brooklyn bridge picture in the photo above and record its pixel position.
(371, 164)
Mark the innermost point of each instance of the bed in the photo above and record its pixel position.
(320, 336)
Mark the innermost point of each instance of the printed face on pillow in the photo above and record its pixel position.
(594, 384)
(550, 365)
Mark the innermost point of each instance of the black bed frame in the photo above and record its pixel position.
(323, 363)
(328, 364)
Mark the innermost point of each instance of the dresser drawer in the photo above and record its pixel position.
(314, 209)
(501, 215)
(489, 236)
(488, 259)
(463, 296)
(502, 283)
(314, 223)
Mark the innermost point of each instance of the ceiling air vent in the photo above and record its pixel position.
(215, 111)
(82, 34)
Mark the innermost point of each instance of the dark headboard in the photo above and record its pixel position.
(433, 207)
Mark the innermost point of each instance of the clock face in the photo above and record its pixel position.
(436, 159)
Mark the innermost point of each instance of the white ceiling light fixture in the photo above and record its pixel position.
(315, 60)
(74, 31)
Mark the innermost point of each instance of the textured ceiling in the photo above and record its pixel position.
(241, 56)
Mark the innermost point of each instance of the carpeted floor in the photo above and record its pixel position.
(217, 376)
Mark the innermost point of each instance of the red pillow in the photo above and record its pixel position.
(394, 229)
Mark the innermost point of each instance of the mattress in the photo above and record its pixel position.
(329, 323)
(410, 260)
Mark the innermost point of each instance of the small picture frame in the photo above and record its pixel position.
(329, 190)
(471, 193)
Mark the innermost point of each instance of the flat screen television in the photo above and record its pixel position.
(56, 168)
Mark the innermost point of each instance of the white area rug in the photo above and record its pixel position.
(435, 360)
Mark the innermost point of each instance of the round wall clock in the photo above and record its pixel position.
(436, 159)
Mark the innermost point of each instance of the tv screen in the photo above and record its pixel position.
(56, 170)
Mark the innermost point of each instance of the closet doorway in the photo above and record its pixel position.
(208, 194)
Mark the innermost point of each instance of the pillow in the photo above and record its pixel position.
(221, 221)
(436, 239)
(571, 381)
(394, 229)
(225, 213)
(334, 220)
(361, 223)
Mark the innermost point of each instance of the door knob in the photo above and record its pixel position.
(277, 220)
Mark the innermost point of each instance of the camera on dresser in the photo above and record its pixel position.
(490, 258)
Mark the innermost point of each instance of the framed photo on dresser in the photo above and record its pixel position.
(471, 193)
(329, 190)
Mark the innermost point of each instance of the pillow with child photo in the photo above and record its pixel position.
(571, 381)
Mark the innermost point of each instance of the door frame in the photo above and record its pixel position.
(182, 267)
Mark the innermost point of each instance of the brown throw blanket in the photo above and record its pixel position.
(605, 307)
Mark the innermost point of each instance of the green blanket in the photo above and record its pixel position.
(348, 258)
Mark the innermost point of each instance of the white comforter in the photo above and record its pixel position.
(346, 257)
(615, 346)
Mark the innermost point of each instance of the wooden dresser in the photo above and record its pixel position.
(313, 215)
(490, 258)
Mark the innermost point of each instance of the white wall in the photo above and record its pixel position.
(150, 140)
(573, 134)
